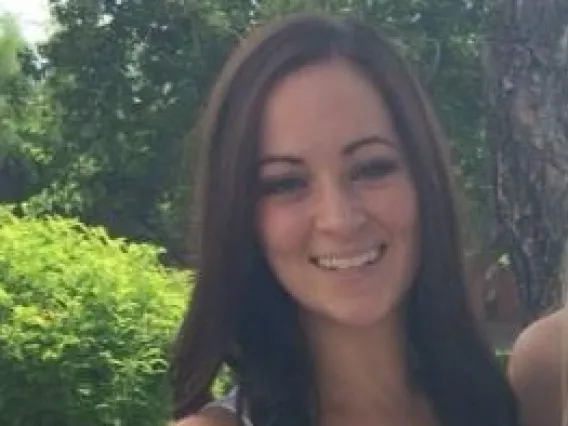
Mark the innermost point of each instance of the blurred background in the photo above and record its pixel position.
(99, 100)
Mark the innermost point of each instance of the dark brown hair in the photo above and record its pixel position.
(239, 314)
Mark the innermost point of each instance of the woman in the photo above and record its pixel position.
(331, 277)
(537, 370)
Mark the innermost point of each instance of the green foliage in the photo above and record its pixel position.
(28, 119)
(130, 79)
(10, 42)
(85, 325)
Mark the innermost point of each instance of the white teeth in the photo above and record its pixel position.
(334, 262)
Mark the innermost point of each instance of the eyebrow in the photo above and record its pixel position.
(347, 151)
(369, 140)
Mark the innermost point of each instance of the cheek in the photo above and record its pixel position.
(404, 222)
(396, 207)
(282, 228)
(405, 211)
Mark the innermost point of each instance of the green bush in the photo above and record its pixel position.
(85, 325)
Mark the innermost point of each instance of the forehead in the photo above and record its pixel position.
(322, 107)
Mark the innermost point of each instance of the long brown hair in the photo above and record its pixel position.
(240, 315)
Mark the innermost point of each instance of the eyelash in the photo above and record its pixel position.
(371, 170)
(282, 185)
(374, 169)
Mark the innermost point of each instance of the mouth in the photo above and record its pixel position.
(337, 262)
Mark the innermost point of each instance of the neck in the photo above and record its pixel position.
(360, 367)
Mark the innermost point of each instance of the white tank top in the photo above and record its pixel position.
(229, 404)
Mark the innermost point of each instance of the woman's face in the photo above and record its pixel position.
(338, 213)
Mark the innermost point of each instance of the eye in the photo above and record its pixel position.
(375, 169)
(281, 185)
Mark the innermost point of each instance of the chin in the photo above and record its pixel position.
(359, 316)
(361, 320)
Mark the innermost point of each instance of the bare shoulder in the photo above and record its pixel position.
(535, 369)
(210, 417)
(539, 345)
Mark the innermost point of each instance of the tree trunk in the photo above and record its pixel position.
(526, 67)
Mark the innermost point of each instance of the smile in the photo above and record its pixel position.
(337, 262)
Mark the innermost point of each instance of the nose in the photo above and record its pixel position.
(338, 211)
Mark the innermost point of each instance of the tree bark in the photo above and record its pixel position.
(526, 68)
